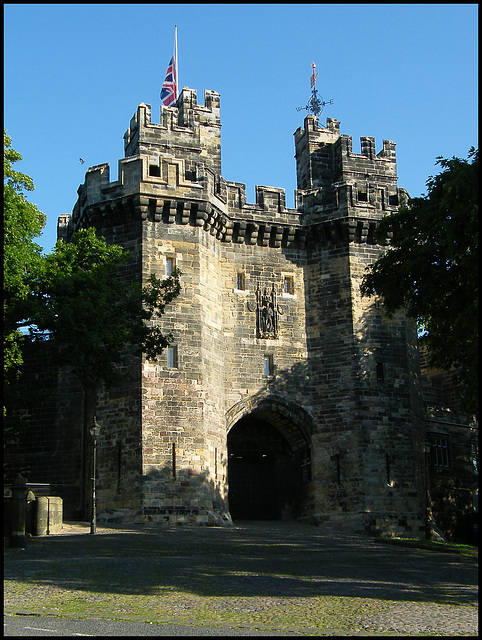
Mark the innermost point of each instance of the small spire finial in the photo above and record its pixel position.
(315, 104)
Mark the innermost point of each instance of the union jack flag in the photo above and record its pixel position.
(169, 88)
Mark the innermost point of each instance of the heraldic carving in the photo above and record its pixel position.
(267, 310)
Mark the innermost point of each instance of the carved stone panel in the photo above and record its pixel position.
(267, 312)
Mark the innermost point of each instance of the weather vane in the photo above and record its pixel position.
(315, 104)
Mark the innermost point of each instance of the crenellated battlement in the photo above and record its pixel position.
(333, 181)
(171, 173)
(367, 143)
(185, 127)
(324, 155)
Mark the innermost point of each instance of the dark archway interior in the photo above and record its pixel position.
(265, 472)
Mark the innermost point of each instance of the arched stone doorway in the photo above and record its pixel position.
(268, 461)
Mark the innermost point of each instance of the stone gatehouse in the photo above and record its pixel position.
(284, 395)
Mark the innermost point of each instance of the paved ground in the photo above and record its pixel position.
(46, 626)
(254, 577)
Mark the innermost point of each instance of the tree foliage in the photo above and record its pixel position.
(431, 268)
(74, 297)
(22, 223)
(89, 313)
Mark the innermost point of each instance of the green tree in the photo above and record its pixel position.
(431, 268)
(74, 297)
(22, 223)
(90, 315)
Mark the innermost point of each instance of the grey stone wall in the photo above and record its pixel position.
(46, 443)
(324, 346)
(270, 333)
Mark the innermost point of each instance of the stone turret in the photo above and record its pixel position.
(185, 127)
(333, 181)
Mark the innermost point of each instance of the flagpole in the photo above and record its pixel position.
(177, 69)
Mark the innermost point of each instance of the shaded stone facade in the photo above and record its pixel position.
(285, 394)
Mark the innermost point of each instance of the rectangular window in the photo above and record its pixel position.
(119, 464)
(288, 285)
(172, 357)
(155, 170)
(241, 282)
(382, 198)
(268, 365)
(380, 372)
(170, 266)
(439, 451)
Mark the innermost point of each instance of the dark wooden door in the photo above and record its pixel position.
(252, 487)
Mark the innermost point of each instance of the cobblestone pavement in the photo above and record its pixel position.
(286, 577)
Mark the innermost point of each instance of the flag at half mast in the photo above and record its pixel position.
(170, 88)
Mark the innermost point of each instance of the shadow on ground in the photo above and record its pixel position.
(250, 559)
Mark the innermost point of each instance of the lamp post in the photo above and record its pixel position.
(426, 450)
(94, 432)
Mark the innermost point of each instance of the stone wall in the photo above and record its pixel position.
(269, 310)
(275, 354)
(47, 442)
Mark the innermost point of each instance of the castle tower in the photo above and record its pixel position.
(363, 367)
(284, 395)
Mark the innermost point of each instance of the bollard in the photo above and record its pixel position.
(30, 514)
(19, 510)
(49, 515)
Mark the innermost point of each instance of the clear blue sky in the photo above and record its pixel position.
(75, 73)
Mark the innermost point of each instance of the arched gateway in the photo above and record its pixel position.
(269, 459)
